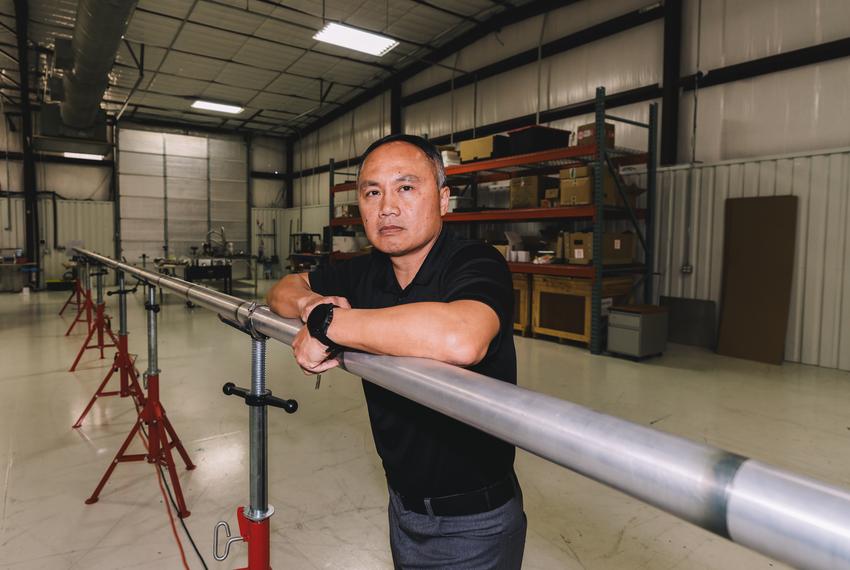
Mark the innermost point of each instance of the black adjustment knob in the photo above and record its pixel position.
(231, 389)
(289, 406)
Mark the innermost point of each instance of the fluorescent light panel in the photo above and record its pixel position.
(83, 155)
(219, 107)
(353, 38)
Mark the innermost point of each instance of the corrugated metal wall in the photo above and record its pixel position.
(88, 221)
(291, 220)
(196, 183)
(819, 323)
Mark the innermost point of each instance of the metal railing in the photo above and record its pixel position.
(789, 517)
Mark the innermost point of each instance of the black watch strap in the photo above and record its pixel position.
(318, 323)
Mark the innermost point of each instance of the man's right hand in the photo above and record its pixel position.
(311, 302)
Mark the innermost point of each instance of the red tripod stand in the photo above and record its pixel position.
(85, 308)
(123, 363)
(152, 419)
(75, 298)
(100, 327)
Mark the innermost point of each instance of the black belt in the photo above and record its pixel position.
(471, 503)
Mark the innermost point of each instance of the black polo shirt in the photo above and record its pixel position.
(425, 453)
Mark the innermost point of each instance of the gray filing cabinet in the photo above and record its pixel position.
(637, 330)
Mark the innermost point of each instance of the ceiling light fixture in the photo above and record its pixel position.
(219, 107)
(353, 38)
(82, 155)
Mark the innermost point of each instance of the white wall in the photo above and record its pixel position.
(88, 221)
(819, 322)
(268, 155)
(798, 110)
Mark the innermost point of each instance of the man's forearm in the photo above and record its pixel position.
(288, 296)
(458, 332)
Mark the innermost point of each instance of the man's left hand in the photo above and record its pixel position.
(310, 354)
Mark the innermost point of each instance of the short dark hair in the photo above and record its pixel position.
(428, 148)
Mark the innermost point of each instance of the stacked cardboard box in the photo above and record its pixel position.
(577, 188)
(526, 191)
(617, 248)
(485, 147)
(586, 135)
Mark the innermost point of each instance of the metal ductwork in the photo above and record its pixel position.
(97, 34)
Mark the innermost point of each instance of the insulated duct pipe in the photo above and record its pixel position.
(97, 33)
(788, 517)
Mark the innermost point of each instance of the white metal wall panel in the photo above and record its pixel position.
(522, 36)
(267, 193)
(228, 172)
(433, 116)
(799, 110)
(268, 155)
(74, 182)
(185, 145)
(89, 221)
(142, 189)
(131, 140)
(186, 191)
(345, 137)
(733, 31)
(139, 163)
(15, 236)
(819, 321)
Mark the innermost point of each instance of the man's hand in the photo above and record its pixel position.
(310, 303)
(310, 354)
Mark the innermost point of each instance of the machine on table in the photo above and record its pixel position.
(15, 270)
(304, 252)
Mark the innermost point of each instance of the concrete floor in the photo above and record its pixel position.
(326, 482)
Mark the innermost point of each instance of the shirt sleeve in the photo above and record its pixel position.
(479, 273)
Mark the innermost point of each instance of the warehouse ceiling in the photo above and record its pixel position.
(259, 54)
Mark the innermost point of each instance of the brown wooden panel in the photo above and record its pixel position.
(758, 262)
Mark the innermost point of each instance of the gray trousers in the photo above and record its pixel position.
(491, 540)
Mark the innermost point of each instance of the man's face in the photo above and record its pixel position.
(400, 203)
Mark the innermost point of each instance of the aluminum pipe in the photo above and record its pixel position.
(794, 519)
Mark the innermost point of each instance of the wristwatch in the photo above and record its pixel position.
(319, 321)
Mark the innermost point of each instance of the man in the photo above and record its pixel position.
(454, 499)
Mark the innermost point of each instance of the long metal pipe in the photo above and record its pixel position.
(791, 518)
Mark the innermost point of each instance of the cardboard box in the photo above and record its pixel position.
(586, 135)
(503, 249)
(527, 190)
(575, 172)
(617, 248)
(450, 157)
(552, 194)
(536, 138)
(579, 191)
(493, 146)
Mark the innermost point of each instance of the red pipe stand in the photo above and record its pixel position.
(161, 437)
(124, 364)
(161, 440)
(101, 327)
(84, 311)
(75, 298)
(256, 534)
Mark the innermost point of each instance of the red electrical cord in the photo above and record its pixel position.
(170, 517)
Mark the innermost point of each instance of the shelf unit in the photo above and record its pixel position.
(598, 157)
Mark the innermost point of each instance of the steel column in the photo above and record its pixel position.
(30, 191)
(599, 167)
(670, 81)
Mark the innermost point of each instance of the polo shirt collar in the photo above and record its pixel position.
(385, 276)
